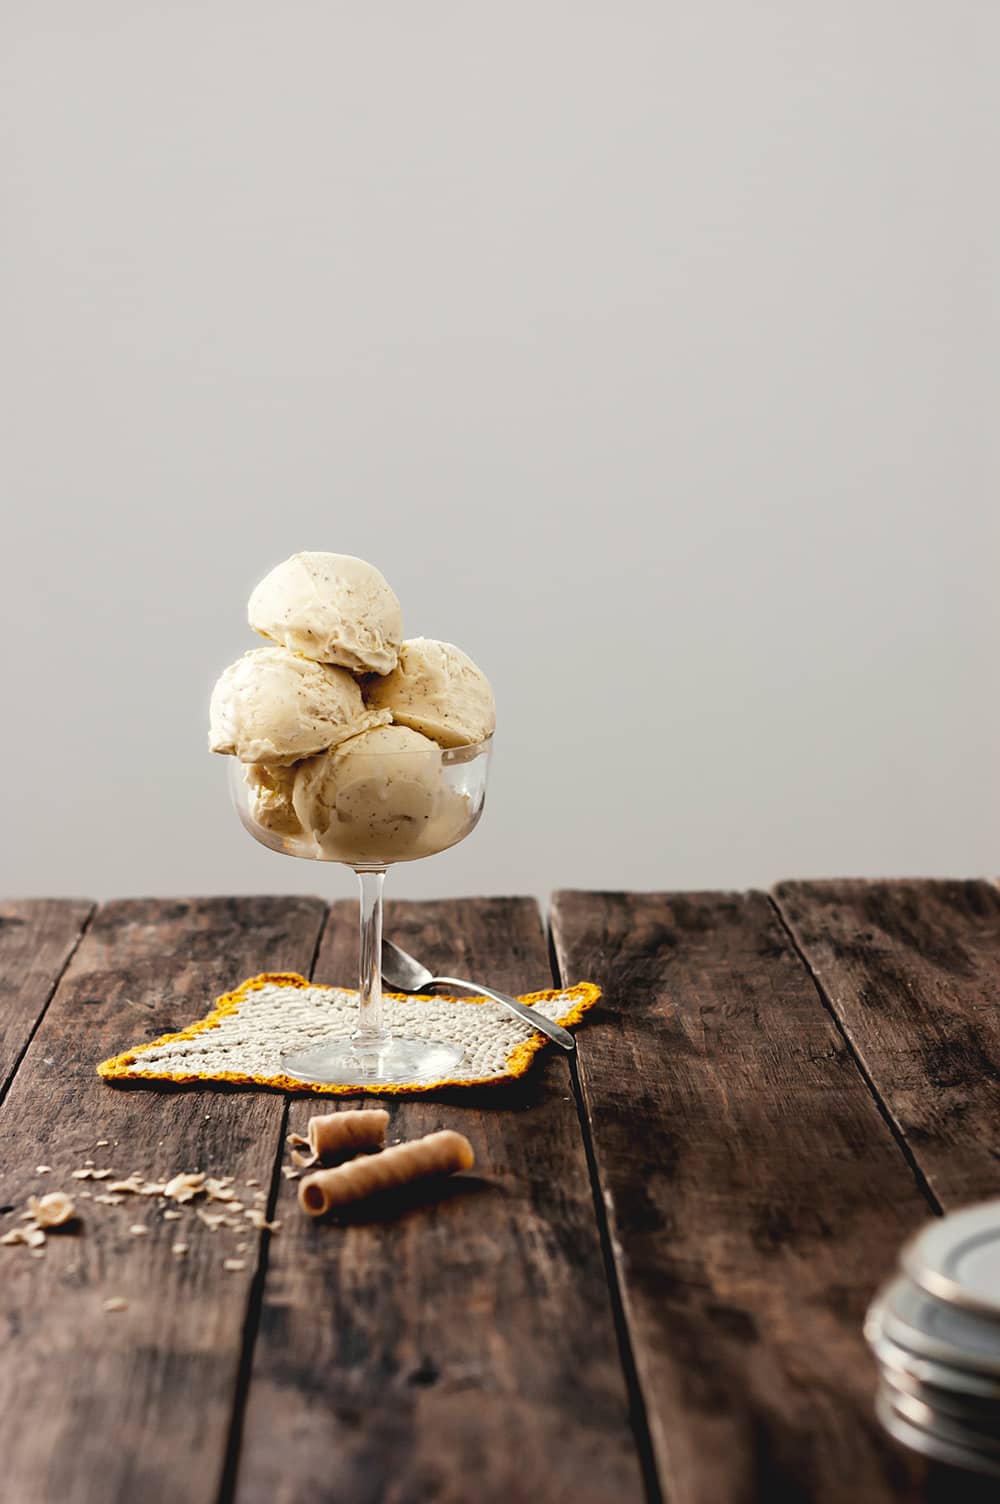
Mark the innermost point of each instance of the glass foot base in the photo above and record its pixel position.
(397, 1062)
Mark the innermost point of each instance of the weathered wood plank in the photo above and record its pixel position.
(98, 1408)
(37, 938)
(912, 971)
(464, 1349)
(755, 1196)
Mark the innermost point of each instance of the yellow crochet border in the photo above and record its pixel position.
(119, 1068)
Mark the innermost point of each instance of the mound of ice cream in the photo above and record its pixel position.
(438, 690)
(330, 607)
(351, 738)
(272, 706)
(377, 797)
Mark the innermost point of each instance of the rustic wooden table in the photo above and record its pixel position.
(653, 1286)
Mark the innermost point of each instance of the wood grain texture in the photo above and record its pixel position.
(755, 1194)
(459, 1347)
(100, 1408)
(912, 971)
(37, 938)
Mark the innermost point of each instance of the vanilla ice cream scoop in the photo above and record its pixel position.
(436, 690)
(330, 607)
(271, 706)
(378, 798)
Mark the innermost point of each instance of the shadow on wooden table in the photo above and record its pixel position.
(389, 1206)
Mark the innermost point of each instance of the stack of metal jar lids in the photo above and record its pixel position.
(935, 1331)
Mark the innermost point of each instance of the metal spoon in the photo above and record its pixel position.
(404, 973)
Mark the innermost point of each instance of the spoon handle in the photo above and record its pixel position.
(530, 1015)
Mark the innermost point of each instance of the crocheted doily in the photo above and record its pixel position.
(245, 1035)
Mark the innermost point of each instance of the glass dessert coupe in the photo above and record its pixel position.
(403, 806)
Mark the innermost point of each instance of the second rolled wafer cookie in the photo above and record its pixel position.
(335, 1135)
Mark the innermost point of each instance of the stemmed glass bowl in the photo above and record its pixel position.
(398, 807)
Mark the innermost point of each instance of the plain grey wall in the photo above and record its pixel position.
(651, 350)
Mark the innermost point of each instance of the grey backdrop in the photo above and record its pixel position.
(651, 350)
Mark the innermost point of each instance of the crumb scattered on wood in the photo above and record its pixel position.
(49, 1212)
(259, 1219)
(56, 1210)
(115, 1303)
(53, 1210)
(184, 1187)
(219, 1190)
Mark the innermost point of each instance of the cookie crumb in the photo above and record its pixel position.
(115, 1303)
(52, 1210)
(259, 1219)
(184, 1187)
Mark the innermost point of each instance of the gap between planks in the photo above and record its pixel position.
(638, 1414)
(255, 1300)
(5, 1085)
(910, 969)
(883, 1108)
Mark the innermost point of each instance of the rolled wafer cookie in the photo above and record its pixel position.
(438, 1154)
(336, 1134)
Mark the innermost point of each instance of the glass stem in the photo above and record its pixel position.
(372, 1031)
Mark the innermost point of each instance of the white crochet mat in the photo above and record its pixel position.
(248, 1031)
